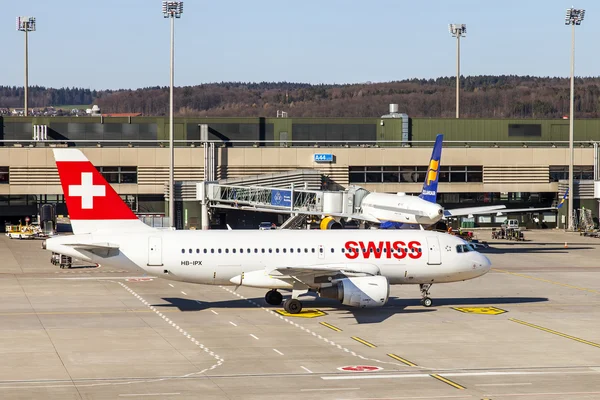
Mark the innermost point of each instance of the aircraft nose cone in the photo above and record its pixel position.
(484, 263)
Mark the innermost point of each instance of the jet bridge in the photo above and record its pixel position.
(274, 199)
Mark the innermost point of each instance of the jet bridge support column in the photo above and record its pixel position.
(202, 196)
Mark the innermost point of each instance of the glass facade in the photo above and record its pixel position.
(119, 174)
(404, 174)
(561, 172)
(3, 175)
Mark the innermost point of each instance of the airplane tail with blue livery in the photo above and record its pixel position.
(430, 186)
(564, 198)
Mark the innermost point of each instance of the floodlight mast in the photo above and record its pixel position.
(26, 24)
(172, 10)
(573, 17)
(458, 31)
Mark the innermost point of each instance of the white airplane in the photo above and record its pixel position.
(406, 211)
(355, 267)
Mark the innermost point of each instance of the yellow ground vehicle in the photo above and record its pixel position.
(20, 231)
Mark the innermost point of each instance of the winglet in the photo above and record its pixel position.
(429, 191)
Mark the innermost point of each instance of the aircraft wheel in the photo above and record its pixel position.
(427, 302)
(293, 306)
(273, 297)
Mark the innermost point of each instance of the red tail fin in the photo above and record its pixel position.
(89, 197)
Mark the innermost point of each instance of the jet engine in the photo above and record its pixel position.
(330, 223)
(363, 291)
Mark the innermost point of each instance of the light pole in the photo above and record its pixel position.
(458, 31)
(172, 10)
(26, 24)
(574, 17)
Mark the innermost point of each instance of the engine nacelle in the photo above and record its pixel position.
(330, 223)
(363, 291)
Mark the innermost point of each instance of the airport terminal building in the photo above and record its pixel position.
(520, 163)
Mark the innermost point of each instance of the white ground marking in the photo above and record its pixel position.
(412, 397)
(330, 342)
(147, 394)
(233, 323)
(170, 284)
(306, 369)
(327, 389)
(218, 358)
(184, 293)
(504, 384)
(278, 352)
(192, 339)
(451, 374)
(214, 312)
(542, 394)
(254, 336)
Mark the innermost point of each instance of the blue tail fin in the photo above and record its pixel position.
(562, 201)
(429, 192)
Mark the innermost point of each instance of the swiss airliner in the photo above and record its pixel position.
(355, 267)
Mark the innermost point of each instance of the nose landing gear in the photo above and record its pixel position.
(425, 299)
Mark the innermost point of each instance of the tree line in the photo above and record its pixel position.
(487, 96)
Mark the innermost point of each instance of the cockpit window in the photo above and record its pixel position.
(464, 248)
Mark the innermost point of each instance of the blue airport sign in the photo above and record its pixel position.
(282, 198)
(323, 157)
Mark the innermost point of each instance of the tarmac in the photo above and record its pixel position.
(527, 330)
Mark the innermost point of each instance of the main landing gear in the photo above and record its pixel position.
(292, 306)
(274, 298)
(425, 300)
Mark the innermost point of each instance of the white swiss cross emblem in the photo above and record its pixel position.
(87, 191)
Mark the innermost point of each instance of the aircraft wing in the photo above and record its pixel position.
(100, 249)
(498, 210)
(361, 217)
(307, 276)
(327, 269)
(457, 212)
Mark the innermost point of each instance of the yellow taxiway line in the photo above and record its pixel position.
(547, 281)
(448, 381)
(402, 360)
(334, 328)
(541, 328)
(359, 340)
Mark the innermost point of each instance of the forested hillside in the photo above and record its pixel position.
(482, 96)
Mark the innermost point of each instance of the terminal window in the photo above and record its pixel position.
(580, 172)
(413, 174)
(524, 130)
(3, 175)
(119, 174)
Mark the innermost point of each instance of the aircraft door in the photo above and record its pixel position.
(155, 251)
(434, 256)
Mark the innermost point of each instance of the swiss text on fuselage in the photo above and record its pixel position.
(397, 249)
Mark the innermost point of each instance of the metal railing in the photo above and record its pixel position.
(291, 143)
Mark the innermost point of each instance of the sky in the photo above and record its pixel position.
(112, 44)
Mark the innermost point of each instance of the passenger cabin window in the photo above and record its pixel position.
(182, 251)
